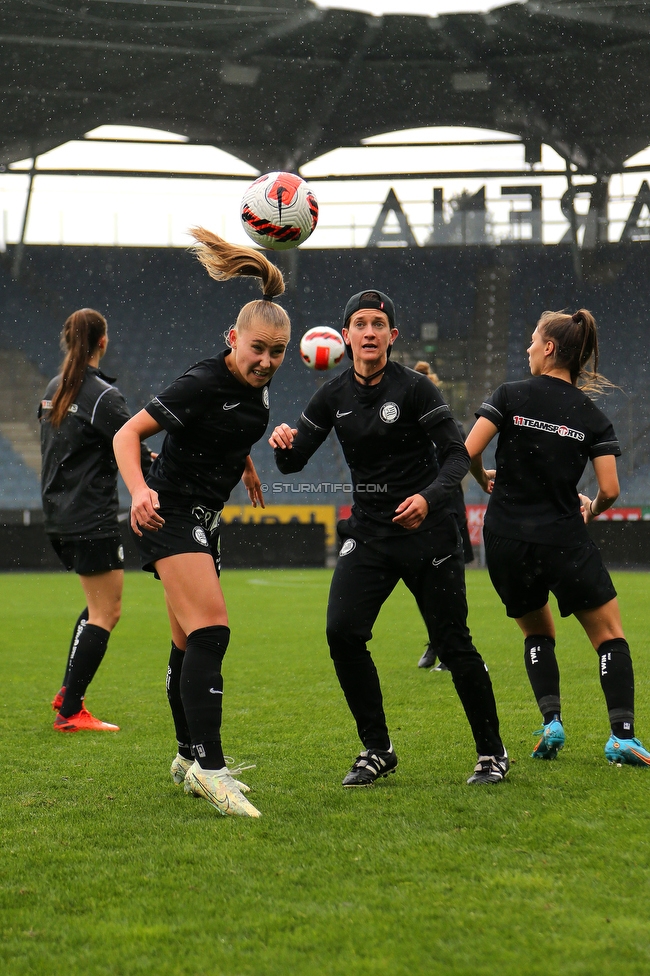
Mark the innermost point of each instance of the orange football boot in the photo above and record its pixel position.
(83, 721)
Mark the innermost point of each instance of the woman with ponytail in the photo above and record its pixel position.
(80, 413)
(536, 539)
(212, 415)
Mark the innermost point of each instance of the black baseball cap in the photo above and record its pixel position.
(370, 299)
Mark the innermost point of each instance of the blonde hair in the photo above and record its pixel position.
(223, 261)
(422, 367)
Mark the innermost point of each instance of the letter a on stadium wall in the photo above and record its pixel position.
(403, 237)
(632, 231)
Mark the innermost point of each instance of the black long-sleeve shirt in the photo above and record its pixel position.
(398, 438)
(79, 473)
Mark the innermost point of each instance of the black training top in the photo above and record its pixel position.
(212, 420)
(548, 430)
(390, 434)
(79, 473)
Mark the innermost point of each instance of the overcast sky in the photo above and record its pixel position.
(426, 7)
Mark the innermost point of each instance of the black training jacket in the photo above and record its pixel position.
(398, 438)
(79, 473)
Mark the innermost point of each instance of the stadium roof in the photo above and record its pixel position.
(278, 82)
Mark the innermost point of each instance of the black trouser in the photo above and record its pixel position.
(364, 577)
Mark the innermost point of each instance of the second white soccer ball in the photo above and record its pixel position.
(322, 348)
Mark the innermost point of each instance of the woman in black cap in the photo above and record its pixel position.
(212, 415)
(402, 526)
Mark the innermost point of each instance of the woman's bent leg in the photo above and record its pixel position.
(605, 631)
(361, 583)
(173, 687)
(197, 608)
(542, 668)
(439, 589)
(104, 595)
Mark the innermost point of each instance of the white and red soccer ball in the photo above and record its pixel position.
(279, 211)
(322, 348)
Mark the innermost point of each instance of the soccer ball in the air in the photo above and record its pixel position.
(279, 211)
(322, 348)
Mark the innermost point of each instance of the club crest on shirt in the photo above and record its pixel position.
(198, 534)
(347, 547)
(389, 412)
(265, 397)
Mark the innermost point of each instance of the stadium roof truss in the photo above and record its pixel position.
(279, 82)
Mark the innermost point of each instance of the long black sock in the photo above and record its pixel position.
(201, 688)
(543, 674)
(76, 632)
(474, 688)
(617, 682)
(173, 685)
(89, 653)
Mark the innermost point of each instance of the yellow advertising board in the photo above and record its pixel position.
(321, 514)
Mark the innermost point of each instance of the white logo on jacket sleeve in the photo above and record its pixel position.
(347, 547)
(198, 533)
(265, 397)
(389, 412)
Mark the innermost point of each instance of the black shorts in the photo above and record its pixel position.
(89, 556)
(194, 529)
(523, 573)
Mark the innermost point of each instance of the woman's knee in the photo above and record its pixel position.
(344, 643)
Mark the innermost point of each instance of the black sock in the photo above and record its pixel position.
(76, 632)
(173, 685)
(201, 689)
(86, 658)
(543, 674)
(617, 682)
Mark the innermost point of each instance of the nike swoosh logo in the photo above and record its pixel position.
(215, 691)
(339, 414)
(437, 562)
(231, 406)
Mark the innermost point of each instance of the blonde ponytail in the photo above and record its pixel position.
(224, 261)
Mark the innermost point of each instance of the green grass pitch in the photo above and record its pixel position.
(108, 869)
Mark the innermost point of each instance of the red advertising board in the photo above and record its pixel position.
(475, 516)
(620, 515)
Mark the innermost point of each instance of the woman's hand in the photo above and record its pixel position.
(144, 503)
(252, 484)
(282, 437)
(412, 512)
(486, 481)
(586, 508)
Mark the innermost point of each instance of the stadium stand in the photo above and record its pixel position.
(164, 313)
(19, 487)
